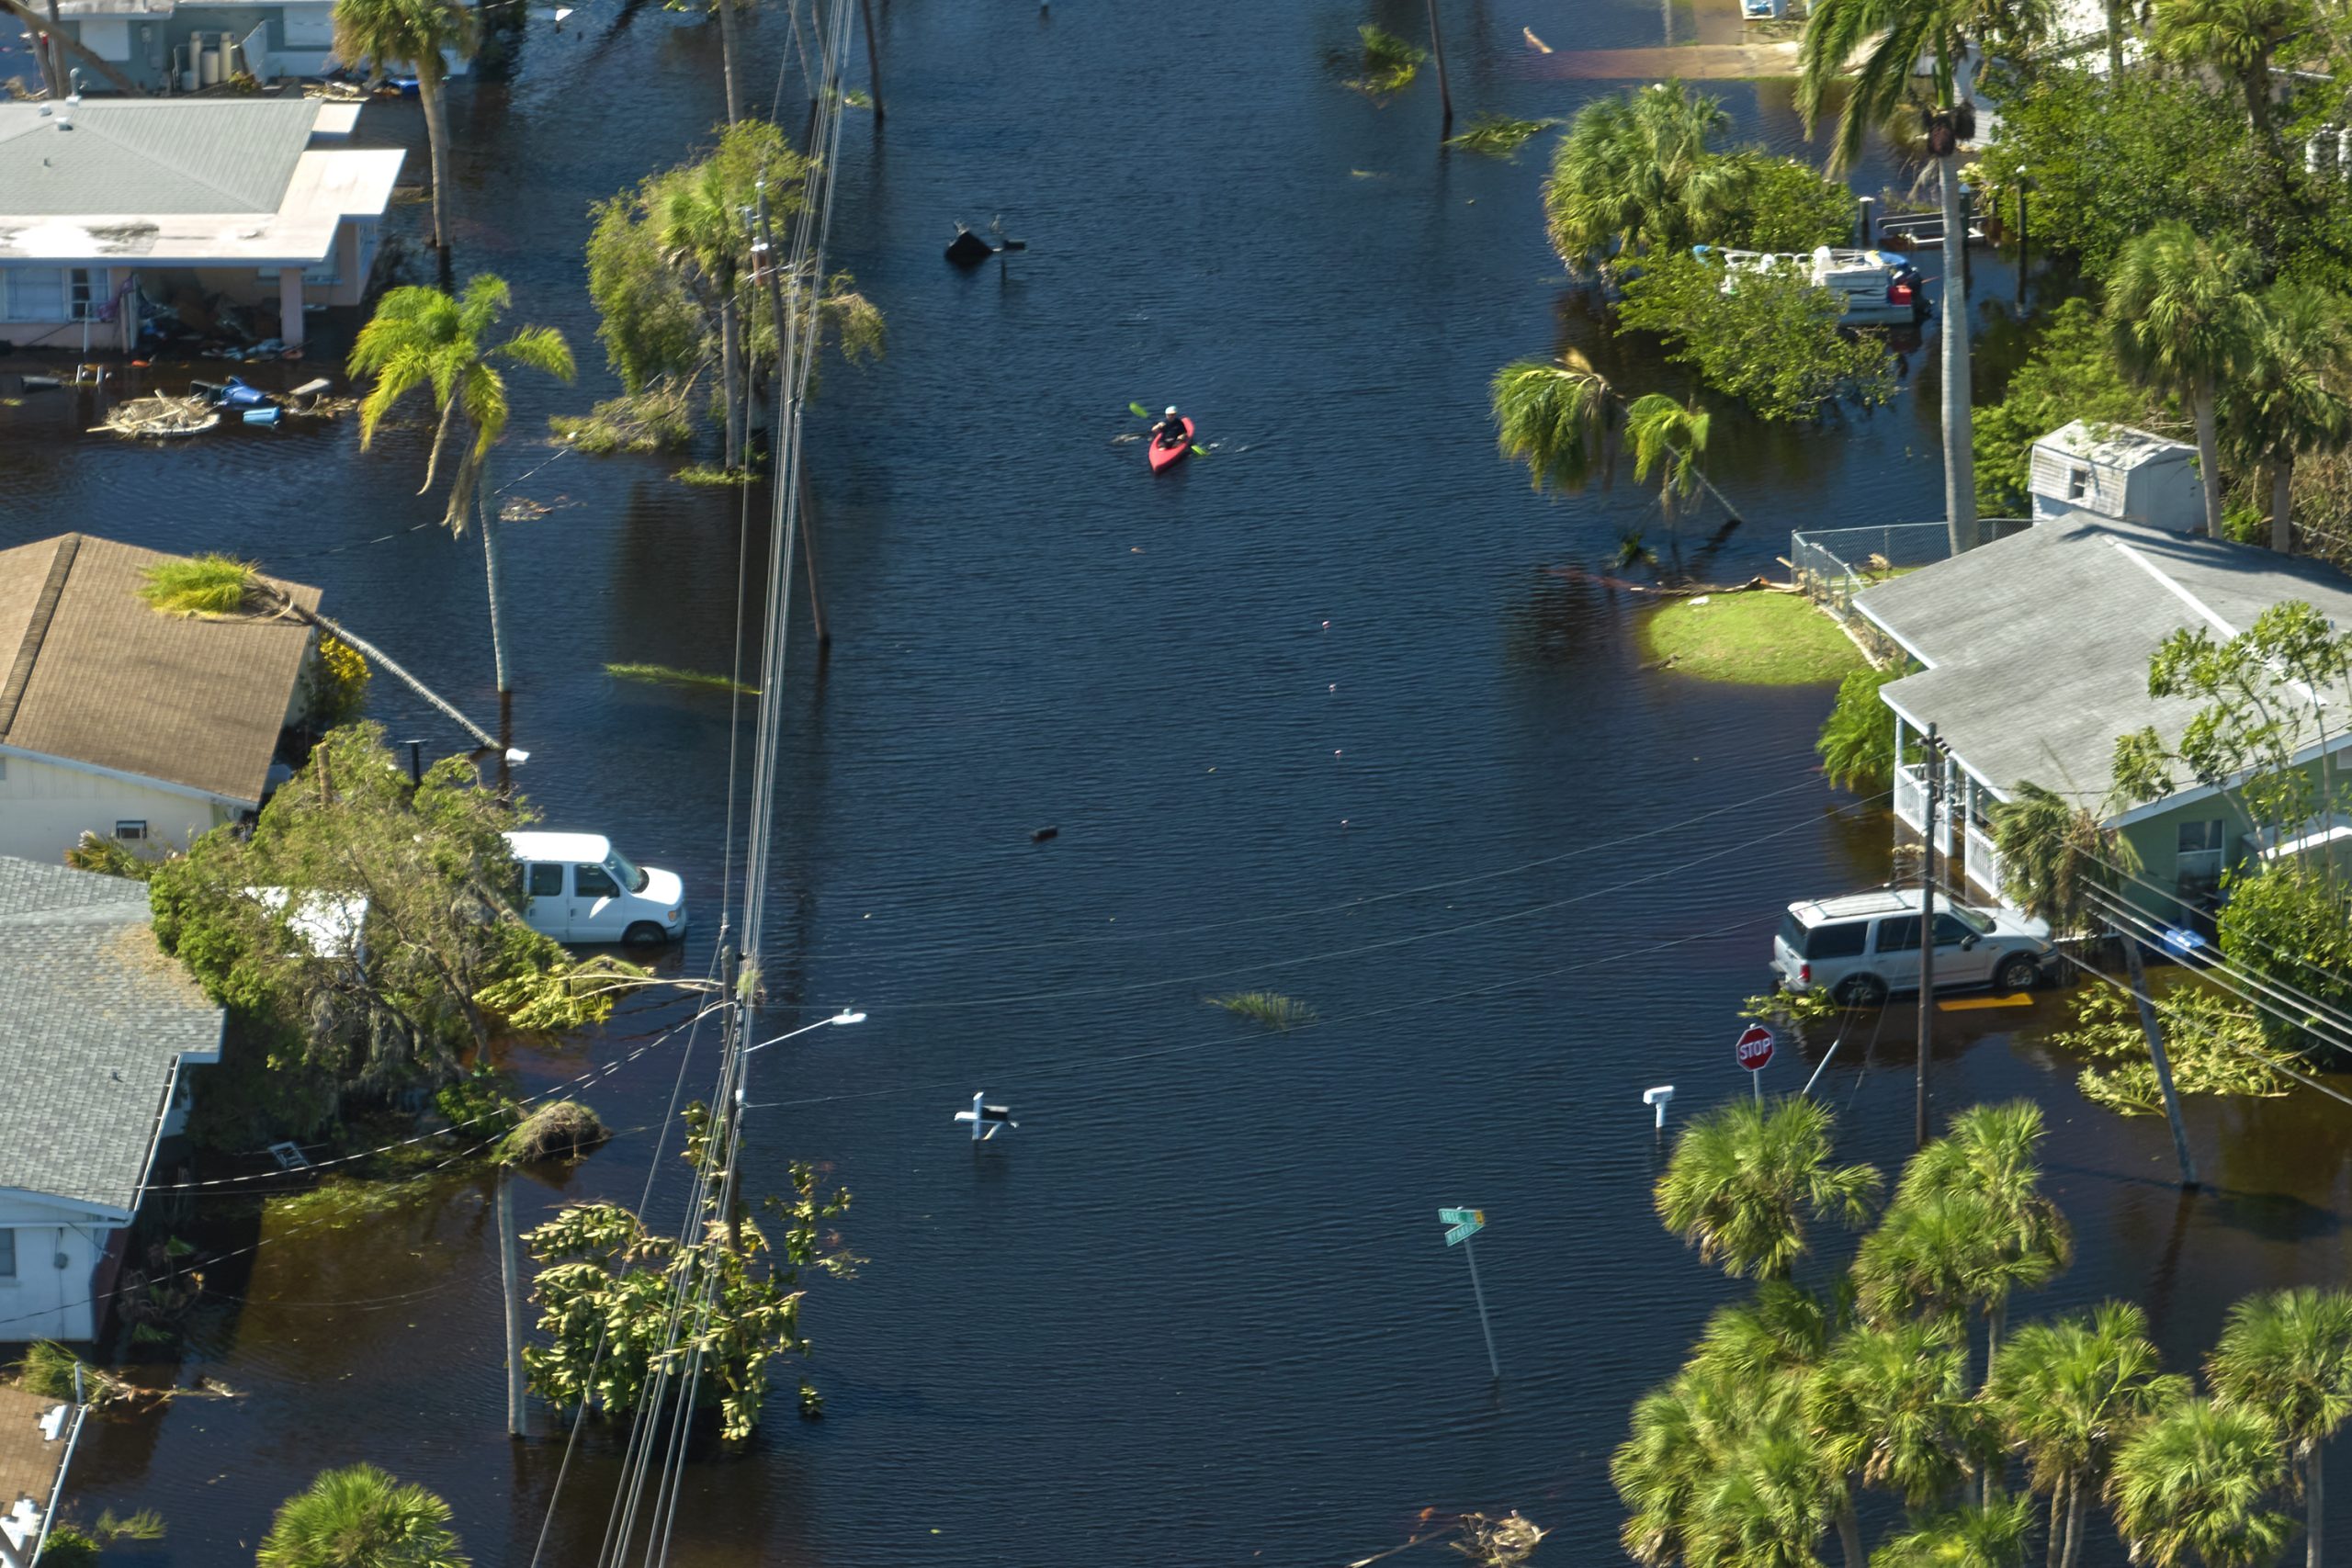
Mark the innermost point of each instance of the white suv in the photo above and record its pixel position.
(1865, 946)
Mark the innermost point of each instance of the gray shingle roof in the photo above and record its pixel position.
(2037, 644)
(134, 157)
(92, 1015)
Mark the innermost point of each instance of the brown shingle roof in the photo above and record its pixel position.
(29, 1463)
(89, 672)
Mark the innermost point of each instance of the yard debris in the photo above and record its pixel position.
(161, 415)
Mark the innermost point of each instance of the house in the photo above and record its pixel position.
(2117, 473)
(37, 1439)
(119, 721)
(110, 206)
(180, 46)
(98, 1031)
(2036, 650)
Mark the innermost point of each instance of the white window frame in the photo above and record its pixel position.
(131, 829)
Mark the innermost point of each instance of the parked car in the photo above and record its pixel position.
(577, 887)
(1864, 947)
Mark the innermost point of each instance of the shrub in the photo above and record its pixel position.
(2290, 926)
(1857, 744)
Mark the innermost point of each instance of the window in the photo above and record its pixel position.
(2199, 866)
(1899, 933)
(1837, 942)
(32, 294)
(130, 829)
(2078, 482)
(546, 881)
(627, 871)
(1951, 930)
(80, 304)
(7, 1255)
(590, 881)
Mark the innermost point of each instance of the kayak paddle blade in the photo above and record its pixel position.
(1140, 412)
(1200, 451)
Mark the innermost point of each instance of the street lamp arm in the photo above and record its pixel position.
(844, 1017)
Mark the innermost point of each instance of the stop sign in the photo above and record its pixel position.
(1754, 1047)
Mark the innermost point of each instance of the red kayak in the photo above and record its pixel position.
(1161, 454)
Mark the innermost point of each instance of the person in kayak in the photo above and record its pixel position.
(1170, 431)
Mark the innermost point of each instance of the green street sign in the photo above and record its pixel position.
(1465, 1223)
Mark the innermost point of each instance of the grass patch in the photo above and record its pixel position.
(669, 676)
(199, 587)
(1758, 638)
(704, 474)
(1497, 135)
(339, 1202)
(1267, 1008)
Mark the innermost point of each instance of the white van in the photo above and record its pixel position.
(577, 887)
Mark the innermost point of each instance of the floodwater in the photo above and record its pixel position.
(1311, 716)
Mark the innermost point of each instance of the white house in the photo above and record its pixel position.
(97, 1030)
(118, 721)
(180, 46)
(2116, 474)
(108, 204)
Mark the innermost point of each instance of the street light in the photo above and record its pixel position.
(739, 1073)
(845, 1016)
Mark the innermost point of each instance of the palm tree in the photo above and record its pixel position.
(388, 34)
(2055, 857)
(2288, 1355)
(2284, 404)
(1560, 418)
(2237, 37)
(1672, 438)
(1884, 40)
(2192, 1483)
(2184, 326)
(1680, 1435)
(1745, 1177)
(1634, 174)
(2067, 1395)
(700, 229)
(1888, 1407)
(423, 337)
(1992, 1535)
(361, 1517)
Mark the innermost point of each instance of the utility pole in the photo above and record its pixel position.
(1935, 767)
(1444, 88)
(873, 57)
(730, 1107)
(510, 1263)
(776, 458)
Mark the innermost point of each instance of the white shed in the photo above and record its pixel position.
(2119, 474)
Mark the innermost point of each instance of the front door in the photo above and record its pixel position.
(1894, 952)
(597, 912)
(548, 910)
(1958, 965)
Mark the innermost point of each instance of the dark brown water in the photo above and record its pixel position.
(1310, 716)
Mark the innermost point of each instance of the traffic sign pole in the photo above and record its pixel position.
(1479, 1291)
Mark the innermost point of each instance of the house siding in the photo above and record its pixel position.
(58, 1255)
(45, 807)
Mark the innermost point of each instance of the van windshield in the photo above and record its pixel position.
(625, 872)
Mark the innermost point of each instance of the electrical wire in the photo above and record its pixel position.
(2135, 926)
(2105, 979)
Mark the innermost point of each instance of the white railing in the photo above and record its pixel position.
(1911, 797)
(1984, 862)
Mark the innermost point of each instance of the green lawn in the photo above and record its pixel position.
(1757, 639)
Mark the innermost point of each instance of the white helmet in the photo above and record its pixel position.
(1171, 411)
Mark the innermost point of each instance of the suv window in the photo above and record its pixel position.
(1951, 930)
(1837, 942)
(546, 881)
(1899, 933)
(591, 882)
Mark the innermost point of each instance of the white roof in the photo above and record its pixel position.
(584, 849)
(2116, 445)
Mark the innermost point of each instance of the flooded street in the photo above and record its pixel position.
(1311, 716)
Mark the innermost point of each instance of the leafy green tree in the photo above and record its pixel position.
(1857, 744)
(2285, 403)
(361, 1517)
(2287, 1356)
(699, 226)
(2072, 374)
(440, 928)
(2062, 864)
(606, 1284)
(2239, 39)
(2213, 1045)
(1872, 47)
(1636, 174)
(2194, 1483)
(390, 35)
(1779, 204)
(2291, 925)
(1745, 1177)
(2184, 324)
(2067, 1395)
(1992, 1535)
(1775, 342)
(1562, 420)
(423, 337)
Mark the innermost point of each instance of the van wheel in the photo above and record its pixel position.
(645, 933)
(2017, 973)
(1862, 990)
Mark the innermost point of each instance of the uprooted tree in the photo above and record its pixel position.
(364, 936)
(624, 1306)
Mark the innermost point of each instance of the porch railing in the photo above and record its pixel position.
(1984, 862)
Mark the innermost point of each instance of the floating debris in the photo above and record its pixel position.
(161, 416)
(669, 676)
(523, 509)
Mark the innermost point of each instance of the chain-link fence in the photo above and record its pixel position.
(1832, 565)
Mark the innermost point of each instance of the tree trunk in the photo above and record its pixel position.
(2057, 1549)
(2283, 484)
(490, 578)
(727, 58)
(2208, 456)
(2318, 1515)
(1959, 457)
(2073, 1523)
(732, 392)
(2150, 1027)
(1997, 1318)
(52, 58)
(1444, 88)
(2257, 108)
(429, 87)
(2115, 41)
(1850, 1530)
(873, 57)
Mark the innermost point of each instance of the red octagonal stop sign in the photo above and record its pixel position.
(1754, 1047)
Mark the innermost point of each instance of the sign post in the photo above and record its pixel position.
(1465, 1223)
(1754, 1049)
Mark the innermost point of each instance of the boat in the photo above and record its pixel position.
(1160, 456)
(1876, 288)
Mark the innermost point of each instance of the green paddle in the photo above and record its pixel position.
(1142, 412)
